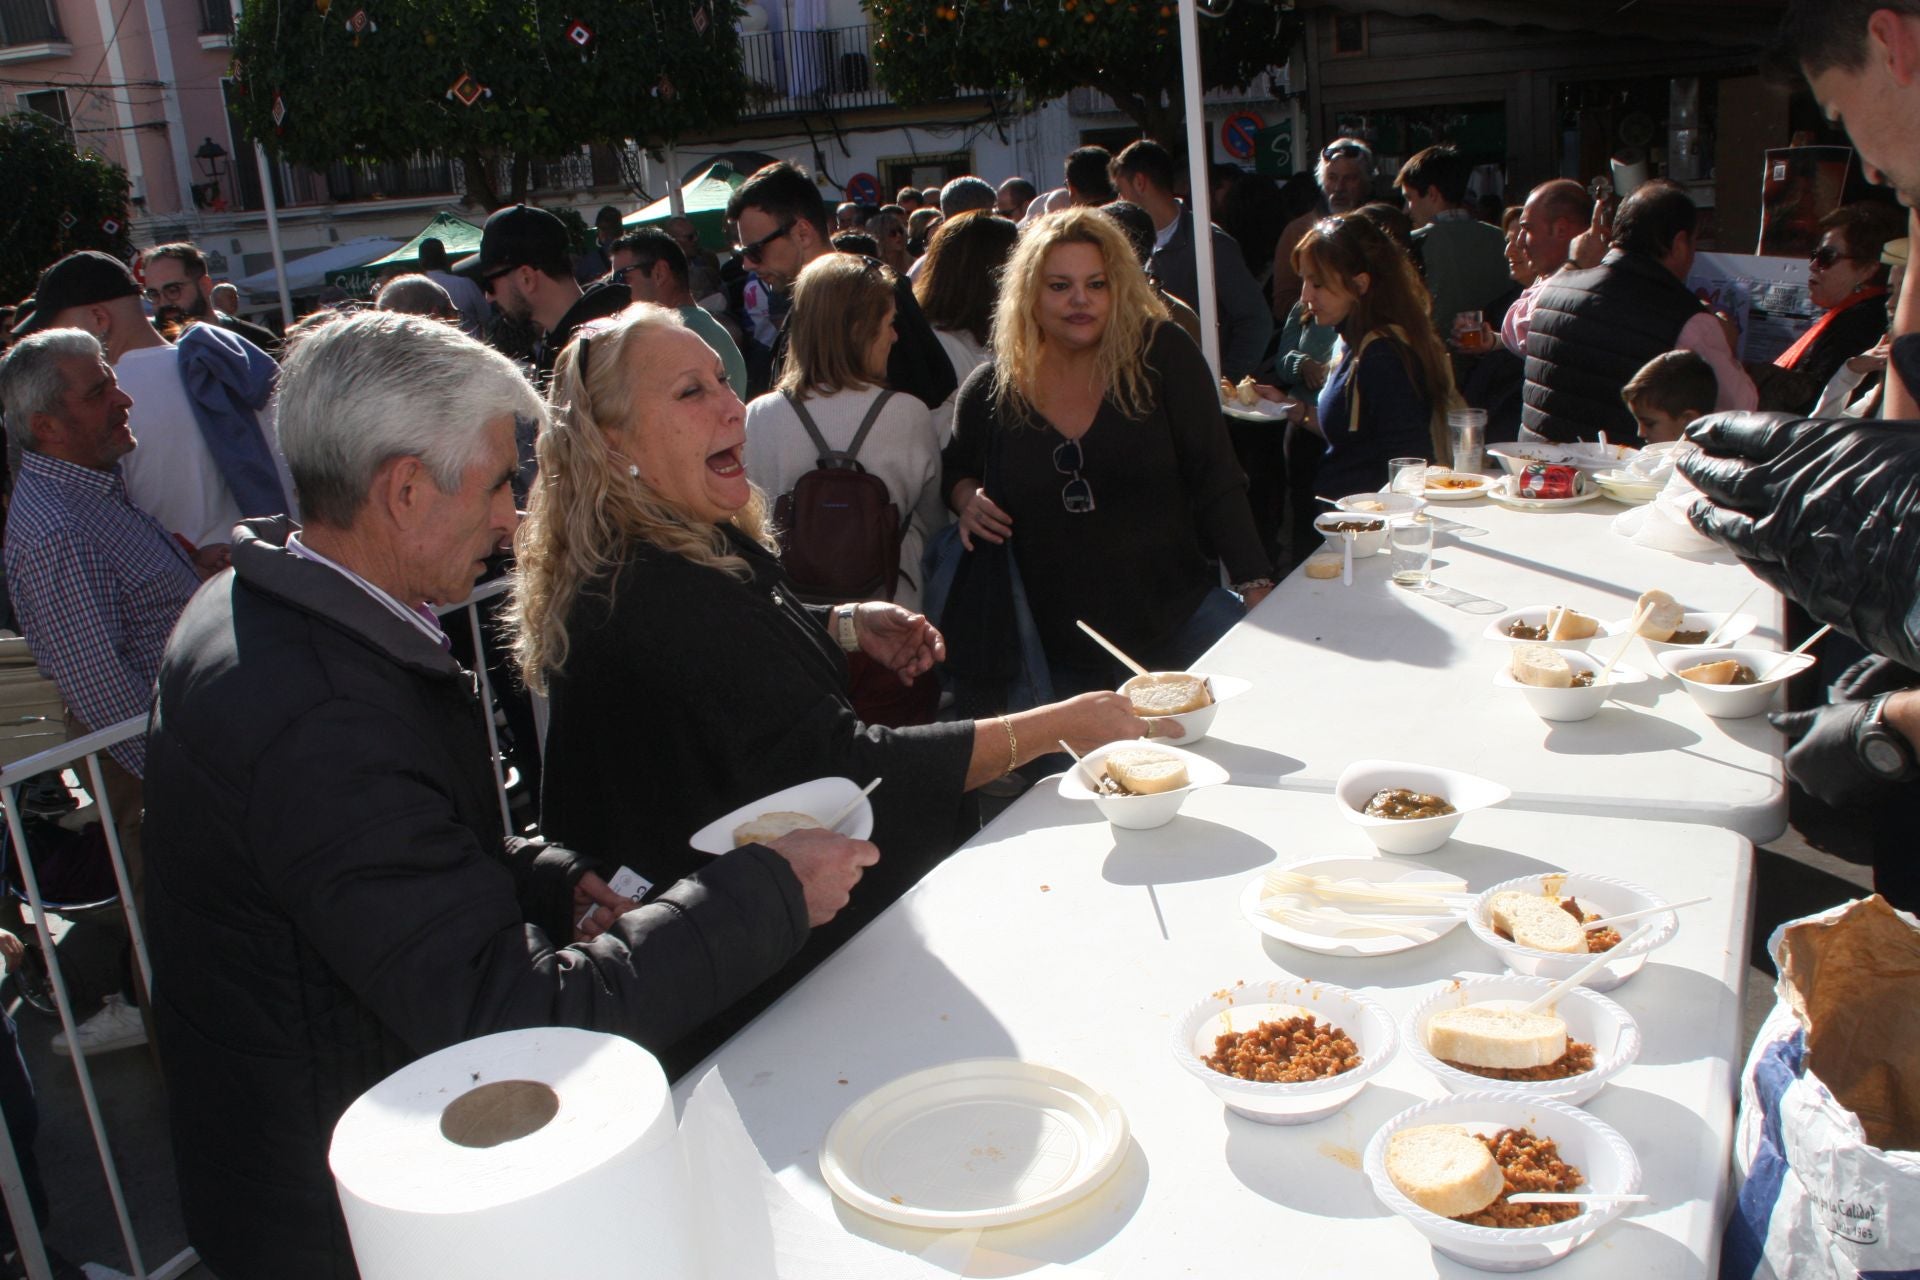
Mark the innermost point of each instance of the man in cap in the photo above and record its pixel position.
(598, 259)
(523, 266)
(207, 458)
(180, 290)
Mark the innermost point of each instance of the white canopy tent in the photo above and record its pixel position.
(309, 274)
(1199, 183)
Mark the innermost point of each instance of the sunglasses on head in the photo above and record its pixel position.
(1337, 150)
(758, 249)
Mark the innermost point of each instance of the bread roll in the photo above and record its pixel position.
(1663, 615)
(1541, 667)
(1245, 393)
(1444, 1169)
(1142, 771)
(1568, 625)
(1478, 1036)
(1323, 565)
(1722, 672)
(1166, 693)
(771, 826)
(1533, 920)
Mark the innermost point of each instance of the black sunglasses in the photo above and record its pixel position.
(1077, 495)
(1826, 255)
(486, 281)
(758, 249)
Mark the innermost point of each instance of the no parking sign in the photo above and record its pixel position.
(864, 188)
(1236, 134)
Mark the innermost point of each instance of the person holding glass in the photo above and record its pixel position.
(1094, 447)
(1390, 390)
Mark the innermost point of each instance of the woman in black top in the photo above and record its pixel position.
(1094, 446)
(685, 678)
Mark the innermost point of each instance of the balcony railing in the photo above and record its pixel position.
(216, 18)
(29, 22)
(789, 72)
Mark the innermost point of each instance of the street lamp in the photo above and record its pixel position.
(212, 157)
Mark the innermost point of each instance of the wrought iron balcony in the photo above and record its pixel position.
(790, 72)
(29, 22)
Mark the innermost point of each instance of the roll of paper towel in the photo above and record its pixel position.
(522, 1154)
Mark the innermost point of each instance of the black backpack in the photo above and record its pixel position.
(839, 530)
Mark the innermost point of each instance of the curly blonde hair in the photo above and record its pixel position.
(1122, 356)
(587, 509)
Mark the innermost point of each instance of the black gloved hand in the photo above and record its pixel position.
(1819, 510)
(1822, 758)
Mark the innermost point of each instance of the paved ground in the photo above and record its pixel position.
(1804, 871)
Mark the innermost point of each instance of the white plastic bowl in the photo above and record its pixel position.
(1364, 544)
(1359, 780)
(1591, 1018)
(1742, 627)
(1393, 506)
(1601, 895)
(1604, 1158)
(1140, 813)
(1244, 1007)
(1535, 615)
(1571, 704)
(1194, 724)
(1736, 701)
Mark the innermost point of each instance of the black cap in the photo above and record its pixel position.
(518, 237)
(75, 281)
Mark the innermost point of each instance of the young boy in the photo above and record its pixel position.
(1670, 391)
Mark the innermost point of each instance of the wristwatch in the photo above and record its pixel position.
(843, 628)
(1884, 751)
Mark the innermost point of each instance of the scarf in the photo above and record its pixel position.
(1794, 354)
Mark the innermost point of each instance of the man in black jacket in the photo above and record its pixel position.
(331, 892)
(783, 227)
(525, 266)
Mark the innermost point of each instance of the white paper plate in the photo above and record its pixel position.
(977, 1143)
(1503, 494)
(823, 797)
(1325, 941)
(1265, 411)
(1483, 483)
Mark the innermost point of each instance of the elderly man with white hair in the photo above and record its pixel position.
(331, 891)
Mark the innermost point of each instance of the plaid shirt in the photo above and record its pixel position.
(97, 585)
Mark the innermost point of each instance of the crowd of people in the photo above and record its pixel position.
(832, 502)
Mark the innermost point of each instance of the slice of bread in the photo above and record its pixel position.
(1722, 672)
(1444, 1169)
(1478, 1036)
(1142, 771)
(1663, 615)
(1322, 565)
(771, 826)
(1166, 693)
(1568, 625)
(1533, 920)
(1541, 667)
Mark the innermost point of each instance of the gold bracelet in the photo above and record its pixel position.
(1013, 745)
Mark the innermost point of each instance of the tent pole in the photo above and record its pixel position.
(676, 198)
(1198, 179)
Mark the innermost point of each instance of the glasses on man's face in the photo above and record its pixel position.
(1826, 255)
(1077, 495)
(488, 282)
(167, 292)
(758, 249)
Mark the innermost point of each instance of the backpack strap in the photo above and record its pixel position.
(866, 423)
(806, 420)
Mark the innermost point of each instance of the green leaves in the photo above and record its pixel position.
(53, 201)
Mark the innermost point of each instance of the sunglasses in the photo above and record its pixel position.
(1077, 495)
(1826, 255)
(758, 249)
(1339, 149)
(487, 281)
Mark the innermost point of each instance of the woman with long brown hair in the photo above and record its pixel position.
(1388, 394)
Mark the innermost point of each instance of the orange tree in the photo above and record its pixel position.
(1127, 49)
(378, 80)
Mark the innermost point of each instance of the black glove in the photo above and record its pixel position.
(1818, 509)
(1822, 757)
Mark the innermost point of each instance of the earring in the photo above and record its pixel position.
(633, 470)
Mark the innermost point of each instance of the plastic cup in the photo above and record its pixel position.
(1407, 475)
(1411, 543)
(1468, 429)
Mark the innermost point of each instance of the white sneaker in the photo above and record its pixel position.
(116, 1026)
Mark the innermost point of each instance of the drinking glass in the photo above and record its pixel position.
(1409, 475)
(1468, 329)
(1468, 428)
(1411, 541)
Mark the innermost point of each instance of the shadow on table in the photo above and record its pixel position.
(1249, 766)
(1315, 1168)
(1677, 1151)
(1408, 639)
(1654, 1252)
(1482, 865)
(1062, 1237)
(1566, 575)
(1186, 849)
(1416, 966)
(1618, 731)
(1652, 995)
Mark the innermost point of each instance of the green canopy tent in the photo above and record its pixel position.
(456, 233)
(706, 201)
